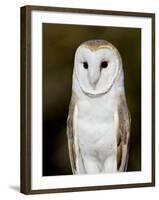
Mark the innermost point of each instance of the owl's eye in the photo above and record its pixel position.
(85, 65)
(104, 64)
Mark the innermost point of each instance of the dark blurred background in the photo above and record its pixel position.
(59, 45)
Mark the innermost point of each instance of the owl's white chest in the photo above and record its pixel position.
(95, 127)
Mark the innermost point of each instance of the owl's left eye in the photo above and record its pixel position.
(104, 64)
(85, 65)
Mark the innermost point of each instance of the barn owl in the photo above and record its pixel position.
(98, 123)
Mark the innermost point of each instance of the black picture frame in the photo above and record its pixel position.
(26, 98)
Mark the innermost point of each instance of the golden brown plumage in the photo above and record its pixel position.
(123, 134)
(70, 135)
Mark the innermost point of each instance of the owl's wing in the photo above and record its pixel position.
(71, 134)
(123, 134)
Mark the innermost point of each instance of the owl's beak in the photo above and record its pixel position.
(93, 76)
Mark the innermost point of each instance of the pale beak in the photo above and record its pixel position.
(93, 75)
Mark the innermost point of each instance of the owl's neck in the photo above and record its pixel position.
(116, 89)
(111, 94)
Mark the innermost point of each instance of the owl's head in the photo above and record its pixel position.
(96, 66)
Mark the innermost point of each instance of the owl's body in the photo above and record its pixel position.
(96, 144)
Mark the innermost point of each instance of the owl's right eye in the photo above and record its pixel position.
(85, 65)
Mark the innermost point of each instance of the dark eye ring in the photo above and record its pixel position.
(104, 64)
(85, 65)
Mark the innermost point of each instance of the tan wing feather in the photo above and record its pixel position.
(70, 134)
(123, 134)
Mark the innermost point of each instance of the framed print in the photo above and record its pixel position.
(87, 99)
